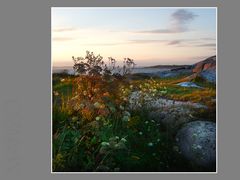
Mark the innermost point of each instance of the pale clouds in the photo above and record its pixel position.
(178, 23)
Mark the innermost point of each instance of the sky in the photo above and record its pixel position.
(150, 36)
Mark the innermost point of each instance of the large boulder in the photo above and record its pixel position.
(209, 75)
(172, 118)
(206, 69)
(197, 143)
(207, 64)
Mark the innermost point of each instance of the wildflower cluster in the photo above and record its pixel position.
(145, 92)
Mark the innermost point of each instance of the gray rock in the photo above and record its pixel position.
(197, 143)
(188, 84)
(172, 118)
(209, 75)
(206, 69)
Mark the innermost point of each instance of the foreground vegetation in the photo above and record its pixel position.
(95, 128)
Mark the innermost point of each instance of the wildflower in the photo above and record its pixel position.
(140, 133)
(74, 118)
(146, 122)
(97, 104)
(199, 147)
(105, 144)
(123, 140)
(194, 135)
(121, 107)
(97, 118)
(194, 146)
(125, 118)
(116, 146)
(116, 137)
(158, 140)
(103, 149)
(120, 145)
(84, 93)
(150, 144)
(55, 93)
(126, 113)
(106, 94)
(102, 106)
(163, 92)
(135, 157)
(76, 107)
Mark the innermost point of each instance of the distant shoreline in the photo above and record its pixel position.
(148, 69)
(167, 66)
(138, 67)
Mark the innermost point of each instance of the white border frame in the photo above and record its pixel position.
(216, 25)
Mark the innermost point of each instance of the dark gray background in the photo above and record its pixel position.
(25, 53)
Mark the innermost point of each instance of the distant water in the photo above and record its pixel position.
(61, 69)
(135, 70)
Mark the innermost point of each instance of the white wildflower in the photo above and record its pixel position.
(105, 144)
(150, 144)
(123, 140)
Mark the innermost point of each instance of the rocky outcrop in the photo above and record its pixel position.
(209, 75)
(205, 65)
(206, 69)
(197, 143)
(172, 118)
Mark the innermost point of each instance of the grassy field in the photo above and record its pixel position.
(95, 130)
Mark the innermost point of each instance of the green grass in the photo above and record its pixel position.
(63, 88)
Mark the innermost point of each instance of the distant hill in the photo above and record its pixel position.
(168, 66)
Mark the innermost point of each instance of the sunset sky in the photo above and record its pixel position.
(150, 36)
